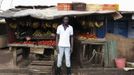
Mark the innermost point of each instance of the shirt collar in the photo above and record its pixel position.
(67, 25)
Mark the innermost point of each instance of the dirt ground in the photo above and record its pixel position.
(7, 68)
(6, 59)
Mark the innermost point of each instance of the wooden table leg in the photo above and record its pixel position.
(82, 54)
(14, 56)
(84, 50)
(102, 61)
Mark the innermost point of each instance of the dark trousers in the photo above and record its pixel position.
(25, 52)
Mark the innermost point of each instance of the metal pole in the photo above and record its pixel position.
(106, 24)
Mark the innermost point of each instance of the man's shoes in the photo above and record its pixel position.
(58, 71)
(69, 71)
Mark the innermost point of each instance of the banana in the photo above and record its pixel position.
(91, 24)
(98, 25)
(13, 26)
(83, 23)
(35, 25)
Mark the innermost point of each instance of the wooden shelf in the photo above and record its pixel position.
(29, 45)
(38, 38)
(95, 41)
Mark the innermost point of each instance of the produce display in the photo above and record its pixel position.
(87, 36)
(39, 34)
(47, 43)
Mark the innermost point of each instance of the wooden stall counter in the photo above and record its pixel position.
(39, 49)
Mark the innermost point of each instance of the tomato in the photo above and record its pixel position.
(47, 43)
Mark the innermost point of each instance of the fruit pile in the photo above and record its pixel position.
(40, 34)
(47, 43)
(87, 36)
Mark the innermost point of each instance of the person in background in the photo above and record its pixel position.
(64, 40)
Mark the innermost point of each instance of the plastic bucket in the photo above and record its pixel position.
(120, 63)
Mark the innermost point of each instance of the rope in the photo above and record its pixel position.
(93, 55)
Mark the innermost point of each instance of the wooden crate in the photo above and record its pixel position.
(41, 67)
(111, 7)
(94, 7)
(79, 6)
(64, 6)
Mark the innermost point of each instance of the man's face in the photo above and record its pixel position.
(66, 20)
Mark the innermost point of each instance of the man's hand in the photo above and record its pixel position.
(57, 49)
(71, 50)
(28, 38)
(57, 41)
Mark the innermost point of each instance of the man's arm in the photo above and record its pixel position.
(72, 43)
(57, 41)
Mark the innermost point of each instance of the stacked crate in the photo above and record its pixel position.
(64, 6)
(41, 67)
(78, 6)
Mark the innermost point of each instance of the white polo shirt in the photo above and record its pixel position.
(64, 35)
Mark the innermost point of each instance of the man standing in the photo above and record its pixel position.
(64, 41)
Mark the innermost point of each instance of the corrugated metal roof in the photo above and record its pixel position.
(48, 13)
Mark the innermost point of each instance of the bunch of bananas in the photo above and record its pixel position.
(13, 25)
(92, 24)
(35, 25)
(55, 25)
(37, 33)
(98, 24)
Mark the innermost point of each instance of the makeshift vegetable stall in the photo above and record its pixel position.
(89, 45)
(30, 37)
(91, 51)
(42, 29)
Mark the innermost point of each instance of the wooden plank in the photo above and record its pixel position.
(17, 45)
(112, 48)
(84, 50)
(19, 59)
(19, 51)
(106, 55)
(30, 45)
(47, 63)
(19, 54)
(37, 50)
(93, 42)
(43, 69)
